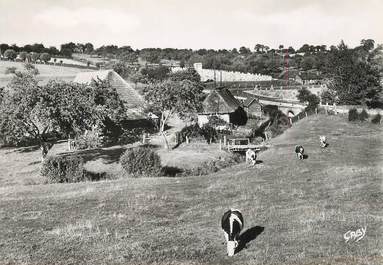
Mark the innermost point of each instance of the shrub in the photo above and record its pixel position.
(190, 131)
(89, 140)
(213, 165)
(31, 68)
(377, 118)
(130, 136)
(353, 114)
(63, 169)
(141, 161)
(209, 133)
(279, 124)
(10, 70)
(363, 116)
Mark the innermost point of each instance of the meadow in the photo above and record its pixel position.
(296, 212)
(46, 72)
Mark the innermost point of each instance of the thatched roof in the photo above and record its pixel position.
(220, 101)
(133, 101)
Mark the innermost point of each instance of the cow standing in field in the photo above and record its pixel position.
(251, 156)
(232, 224)
(299, 151)
(323, 141)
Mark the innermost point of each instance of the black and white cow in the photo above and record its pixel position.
(251, 156)
(323, 141)
(299, 151)
(232, 224)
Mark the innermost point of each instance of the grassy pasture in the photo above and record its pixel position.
(296, 212)
(46, 72)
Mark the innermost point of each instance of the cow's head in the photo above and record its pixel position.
(231, 246)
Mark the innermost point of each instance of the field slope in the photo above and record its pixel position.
(46, 72)
(296, 212)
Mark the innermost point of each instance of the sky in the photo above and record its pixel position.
(195, 24)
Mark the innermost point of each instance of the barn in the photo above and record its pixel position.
(221, 103)
(133, 101)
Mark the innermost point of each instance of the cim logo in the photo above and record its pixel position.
(355, 235)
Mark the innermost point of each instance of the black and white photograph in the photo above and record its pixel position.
(204, 132)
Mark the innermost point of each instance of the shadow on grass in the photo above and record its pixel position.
(305, 157)
(171, 171)
(93, 176)
(259, 162)
(28, 149)
(248, 236)
(34, 163)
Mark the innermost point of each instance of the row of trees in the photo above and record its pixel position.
(262, 59)
(33, 57)
(66, 49)
(37, 48)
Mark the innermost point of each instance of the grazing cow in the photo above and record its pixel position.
(232, 224)
(323, 141)
(251, 156)
(299, 151)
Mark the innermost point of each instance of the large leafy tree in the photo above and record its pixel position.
(305, 96)
(45, 57)
(28, 109)
(10, 54)
(174, 97)
(352, 76)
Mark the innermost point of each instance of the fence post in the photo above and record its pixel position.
(220, 144)
(224, 140)
(306, 114)
(143, 138)
(187, 140)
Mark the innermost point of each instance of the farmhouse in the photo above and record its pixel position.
(133, 101)
(253, 107)
(221, 103)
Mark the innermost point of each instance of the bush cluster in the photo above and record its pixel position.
(194, 131)
(130, 136)
(141, 162)
(353, 114)
(363, 116)
(63, 169)
(377, 118)
(279, 124)
(89, 140)
(213, 166)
